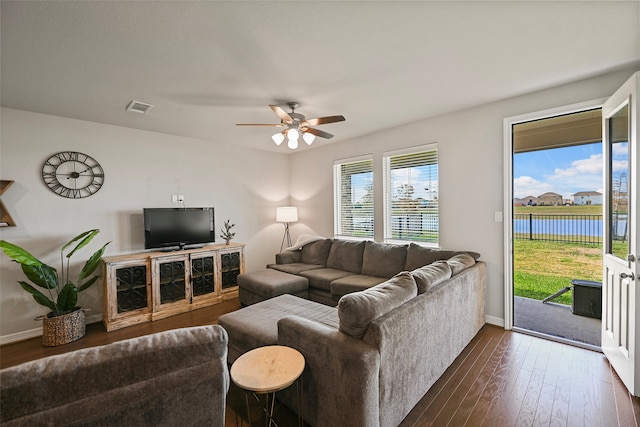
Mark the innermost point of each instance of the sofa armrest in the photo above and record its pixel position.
(288, 257)
(340, 380)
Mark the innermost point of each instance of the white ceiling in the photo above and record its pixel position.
(210, 64)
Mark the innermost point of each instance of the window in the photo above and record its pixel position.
(411, 195)
(353, 197)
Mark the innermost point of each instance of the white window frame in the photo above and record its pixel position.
(387, 192)
(337, 199)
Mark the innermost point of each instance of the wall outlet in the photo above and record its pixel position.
(174, 198)
(497, 216)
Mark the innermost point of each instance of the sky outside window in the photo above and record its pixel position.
(565, 171)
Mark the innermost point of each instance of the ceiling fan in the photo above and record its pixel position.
(297, 125)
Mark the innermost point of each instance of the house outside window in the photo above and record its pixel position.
(411, 195)
(353, 198)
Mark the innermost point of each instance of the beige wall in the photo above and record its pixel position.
(470, 145)
(142, 169)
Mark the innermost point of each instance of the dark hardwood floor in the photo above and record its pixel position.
(502, 378)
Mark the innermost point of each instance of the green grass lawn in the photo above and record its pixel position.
(542, 268)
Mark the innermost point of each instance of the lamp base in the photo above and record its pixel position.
(286, 237)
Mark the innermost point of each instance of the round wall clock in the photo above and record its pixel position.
(72, 174)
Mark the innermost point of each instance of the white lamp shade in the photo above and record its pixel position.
(278, 138)
(293, 144)
(287, 214)
(308, 137)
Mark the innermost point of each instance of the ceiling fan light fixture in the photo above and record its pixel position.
(293, 134)
(308, 137)
(296, 125)
(278, 138)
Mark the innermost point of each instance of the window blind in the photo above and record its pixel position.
(411, 195)
(353, 198)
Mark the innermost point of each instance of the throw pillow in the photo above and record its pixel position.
(383, 260)
(428, 276)
(460, 262)
(346, 255)
(356, 310)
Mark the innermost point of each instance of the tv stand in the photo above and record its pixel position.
(147, 286)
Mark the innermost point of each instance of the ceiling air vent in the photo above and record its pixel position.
(139, 107)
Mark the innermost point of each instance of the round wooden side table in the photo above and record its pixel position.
(267, 370)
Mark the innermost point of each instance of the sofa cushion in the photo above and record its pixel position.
(288, 257)
(382, 259)
(294, 267)
(346, 255)
(460, 262)
(417, 256)
(321, 278)
(430, 275)
(354, 283)
(316, 252)
(358, 309)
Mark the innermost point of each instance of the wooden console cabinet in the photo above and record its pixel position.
(148, 286)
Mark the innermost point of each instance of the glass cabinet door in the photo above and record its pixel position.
(127, 293)
(231, 265)
(203, 275)
(131, 288)
(170, 282)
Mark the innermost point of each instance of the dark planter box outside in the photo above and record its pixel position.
(587, 298)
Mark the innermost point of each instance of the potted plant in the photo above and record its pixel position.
(66, 321)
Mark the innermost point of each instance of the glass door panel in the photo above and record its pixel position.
(618, 146)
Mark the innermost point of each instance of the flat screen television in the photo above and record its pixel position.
(178, 227)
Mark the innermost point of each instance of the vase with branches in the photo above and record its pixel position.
(226, 232)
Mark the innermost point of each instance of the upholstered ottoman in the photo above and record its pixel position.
(268, 283)
(257, 325)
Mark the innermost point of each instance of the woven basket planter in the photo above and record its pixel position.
(63, 329)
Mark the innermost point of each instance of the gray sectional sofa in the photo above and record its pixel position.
(173, 378)
(374, 356)
(324, 270)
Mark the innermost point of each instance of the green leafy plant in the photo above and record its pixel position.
(62, 292)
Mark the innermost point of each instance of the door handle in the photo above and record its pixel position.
(629, 276)
(630, 258)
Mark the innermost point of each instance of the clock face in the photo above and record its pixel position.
(72, 174)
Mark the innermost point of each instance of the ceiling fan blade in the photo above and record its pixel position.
(317, 132)
(323, 120)
(282, 114)
(260, 124)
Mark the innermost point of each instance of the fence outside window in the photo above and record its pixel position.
(586, 229)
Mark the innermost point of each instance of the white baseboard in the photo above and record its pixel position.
(37, 332)
(496, 321)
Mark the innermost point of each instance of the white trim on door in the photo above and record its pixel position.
(508, 123)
